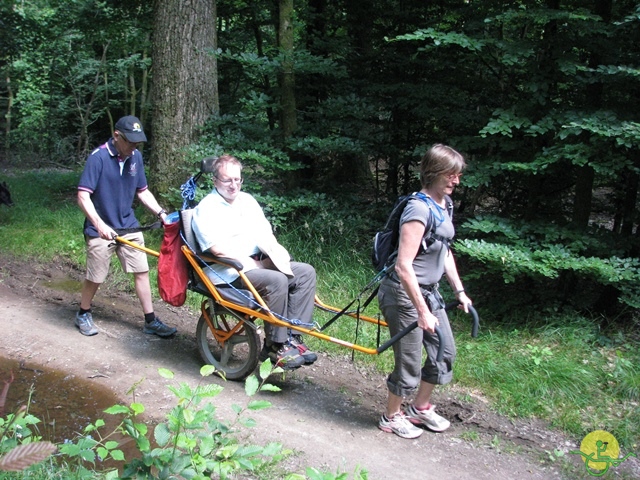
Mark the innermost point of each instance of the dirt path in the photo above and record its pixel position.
(326, 413)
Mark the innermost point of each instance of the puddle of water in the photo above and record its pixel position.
(64, 403)
(69, 286)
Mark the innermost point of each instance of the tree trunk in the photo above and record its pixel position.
(7, 117)
(288, 119)
(266, 82)
(585, 177)
(629, 201)
(185, 85)
(144, 90)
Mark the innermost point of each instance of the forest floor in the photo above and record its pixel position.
(326, 413)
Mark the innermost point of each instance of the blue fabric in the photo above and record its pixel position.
(112, 193)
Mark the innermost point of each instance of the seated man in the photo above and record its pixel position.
(231, 223)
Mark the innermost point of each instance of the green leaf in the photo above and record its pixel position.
(102, 452)
(258, 405)
(251, 385)
(162, 434)
(117, 455)
(268, 387)
(141, 427)
(248, 422)
(165, 373)
(137, 408)
(265, 369)
(188, 416)
(210, 390)
(117, 409)
(88, 456)
(207, 370)
(112, 474)
(272, 449)
(143, 444)
(110, 445)
(314, 474)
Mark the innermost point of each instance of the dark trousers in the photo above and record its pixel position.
(288, 298)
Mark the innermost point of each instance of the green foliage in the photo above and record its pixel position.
(45, 220)
(290, 210)
(193, 443)
(314, 474)
(548, 255)
(66, 76)
(561, 368)
(444, 38)
(17, 429)
(19, 447)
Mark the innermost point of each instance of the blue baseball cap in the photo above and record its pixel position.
(131, 128)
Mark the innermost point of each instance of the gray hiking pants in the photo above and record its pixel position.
(399, 313)
(291, 298)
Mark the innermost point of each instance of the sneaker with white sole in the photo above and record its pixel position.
(158, 328)
(85, 324)
(399, 425)
(428, 418)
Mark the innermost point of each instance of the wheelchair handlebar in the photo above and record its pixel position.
(474, 317)
(441, 344)
(399, 335)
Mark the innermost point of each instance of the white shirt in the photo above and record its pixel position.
(236, 227)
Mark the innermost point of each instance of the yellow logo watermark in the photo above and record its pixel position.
(600, 451)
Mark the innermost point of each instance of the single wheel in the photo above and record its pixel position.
(233, 347)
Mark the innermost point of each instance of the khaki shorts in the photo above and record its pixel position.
(100, 251)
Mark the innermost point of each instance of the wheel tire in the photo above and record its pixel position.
(238, 357)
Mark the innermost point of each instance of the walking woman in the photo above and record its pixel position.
(410, 292)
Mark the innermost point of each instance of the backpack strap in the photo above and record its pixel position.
(430, 235)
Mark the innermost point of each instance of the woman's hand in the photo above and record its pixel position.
(464, 302)
(428, 321)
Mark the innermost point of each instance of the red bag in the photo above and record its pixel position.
(173, 270)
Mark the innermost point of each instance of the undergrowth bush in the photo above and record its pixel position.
(192, 443)
(526, 265)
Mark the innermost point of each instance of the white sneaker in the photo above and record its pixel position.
(429, 418)
(399, 425)
(85, 324)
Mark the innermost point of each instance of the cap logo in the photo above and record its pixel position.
(136, 127)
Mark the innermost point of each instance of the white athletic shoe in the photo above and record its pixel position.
(399, 425)
(429, 418)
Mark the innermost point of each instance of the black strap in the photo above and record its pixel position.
(374, 281)
(346, 309)
(123, 231)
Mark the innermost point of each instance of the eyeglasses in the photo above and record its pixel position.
(229, 181)
(454, 176)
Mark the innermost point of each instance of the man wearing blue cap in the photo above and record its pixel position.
(113, 176)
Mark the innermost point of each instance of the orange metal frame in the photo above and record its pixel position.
(263, 312)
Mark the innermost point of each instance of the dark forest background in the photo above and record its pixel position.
(330, 105)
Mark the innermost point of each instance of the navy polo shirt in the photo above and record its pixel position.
(112, 193)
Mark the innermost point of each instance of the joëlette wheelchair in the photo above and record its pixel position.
(228, 335)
